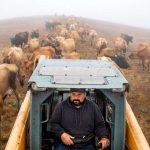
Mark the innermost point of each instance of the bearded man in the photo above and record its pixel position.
(75, 121)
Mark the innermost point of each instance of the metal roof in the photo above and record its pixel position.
(67, 73)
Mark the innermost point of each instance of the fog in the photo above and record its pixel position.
(128, 12)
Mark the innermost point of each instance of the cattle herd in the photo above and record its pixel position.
(60, 41)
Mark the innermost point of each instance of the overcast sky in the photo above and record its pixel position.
(129, 12)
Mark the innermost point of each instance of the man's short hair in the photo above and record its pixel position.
(81, 90)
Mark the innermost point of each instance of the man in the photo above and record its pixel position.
(77, 118)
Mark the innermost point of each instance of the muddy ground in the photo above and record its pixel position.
(139, 80)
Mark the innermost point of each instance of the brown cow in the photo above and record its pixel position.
(107, 52)
(39, 58)
(142, 54)
(101, 43)
(33, 44)
(14, 56)
(92, 37)
(72, 55)
(120, 46)
(64, 32)
(68, 45)
(84, 32)
(29, 65)
(35, 33)
(9, 73)
(75, 35)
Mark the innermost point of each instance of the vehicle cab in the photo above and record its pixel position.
(50, 84)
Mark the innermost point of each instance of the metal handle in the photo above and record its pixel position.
(46, 105)
(110, 122)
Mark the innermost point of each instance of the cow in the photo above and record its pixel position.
(120, 46)
(70, 21)
(35, 33)
(68, 45)
(33, 44)
(119, 60)
(143, 54)
(64, 32)
(83, 32)
(20, 39)
(59, 39)
(107, 52)
(127, 38)
(75, 35)
(92, 37)
(73, 27)
(59, 28)
(29, 65)
(48, 40)
(101, 43)
(51, 24)
(72, 55)
(14, 56)
(38, 59)
(9, 73)
(52, 42)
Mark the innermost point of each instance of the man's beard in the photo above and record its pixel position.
(76, 102)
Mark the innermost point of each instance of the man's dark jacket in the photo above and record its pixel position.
(78, 122)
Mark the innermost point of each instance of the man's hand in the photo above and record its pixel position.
(67, 139)
(105, 142)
